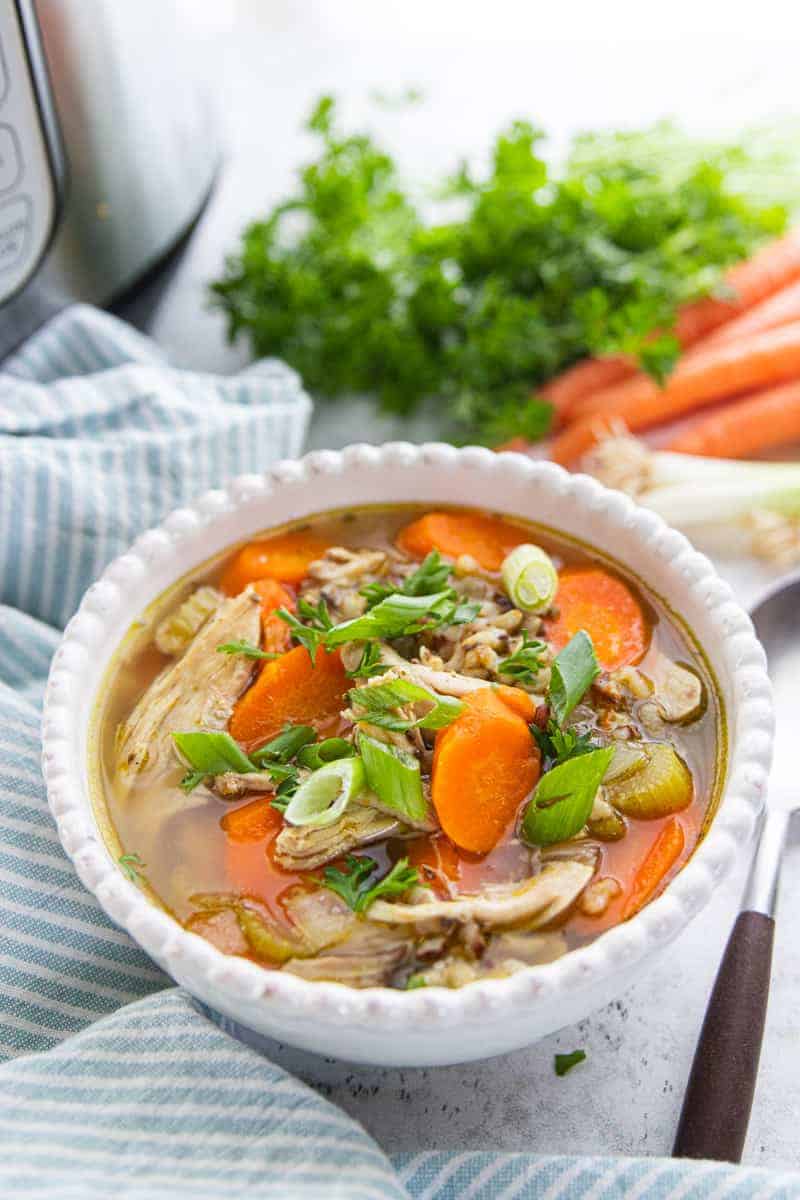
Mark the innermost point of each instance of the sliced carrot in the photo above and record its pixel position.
(437, 861)
(779, 309)
(285, 557)
(583, 378)
(252, 822)
(485, 764)
(275, 634)
(761, 360)
(290, 689)
(589, 598)
(755, 423)
(661, 857)
(518, 701)
(486, 539)
(250, 833)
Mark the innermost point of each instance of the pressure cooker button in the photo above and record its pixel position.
(10, 158)
(15, 229)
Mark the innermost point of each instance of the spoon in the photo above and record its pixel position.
(719, 1095)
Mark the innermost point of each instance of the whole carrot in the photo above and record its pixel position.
(779, 309)
(721, 371)
(583, 378)
(755, 423)
(750, 282)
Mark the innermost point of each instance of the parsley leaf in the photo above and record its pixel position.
(245, 648)
(430, 577)
(565, 1062)
(131, 865)
(557, 745)
(526, 662)
(369, 664)
(353, 885)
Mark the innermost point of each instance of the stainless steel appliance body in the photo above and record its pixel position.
(108, 148)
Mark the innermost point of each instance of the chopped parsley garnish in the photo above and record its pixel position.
(415, 981)
(397, 615)
(132, 865)
(353, 885)
(380, 702)
(245, 648)
(430, 577)
(557, 745)
(369, 664)
(565, 1062)
(526, 662)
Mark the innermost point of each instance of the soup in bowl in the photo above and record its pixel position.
(407, 754)
(408, 746)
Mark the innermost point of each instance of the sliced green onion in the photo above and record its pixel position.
(393, 617)
(381, 701)
(394, 776)
(286, 745)
(212, 753)
(531, 579)
(562, 802)
(327, 751)
(325, 795)
(573, 672)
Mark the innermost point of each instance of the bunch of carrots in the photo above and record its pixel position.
(735, 391)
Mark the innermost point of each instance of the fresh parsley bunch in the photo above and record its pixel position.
(348, 283)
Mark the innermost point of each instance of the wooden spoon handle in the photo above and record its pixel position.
(716, 1108)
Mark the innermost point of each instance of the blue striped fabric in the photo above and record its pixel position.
(113, 1082)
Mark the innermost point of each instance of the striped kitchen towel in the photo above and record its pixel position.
(114, 1083)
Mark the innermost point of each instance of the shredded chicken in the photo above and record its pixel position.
(198, 691)
(537, 902)
(301, 848)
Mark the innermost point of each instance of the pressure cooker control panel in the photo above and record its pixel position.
(28, 193)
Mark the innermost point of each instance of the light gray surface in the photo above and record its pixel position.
(480, 66)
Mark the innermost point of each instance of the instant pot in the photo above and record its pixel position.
(108, 150)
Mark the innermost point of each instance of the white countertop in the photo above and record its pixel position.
(480, 66)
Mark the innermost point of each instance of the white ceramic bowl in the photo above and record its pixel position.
(427, 1026)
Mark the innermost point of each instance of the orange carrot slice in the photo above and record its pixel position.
(591, 599)
(661, 857)
(485, 765)
(285, 557)
(249, 832)
(486, 539)
(291, 689)
(275, 634)
(518, 701)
